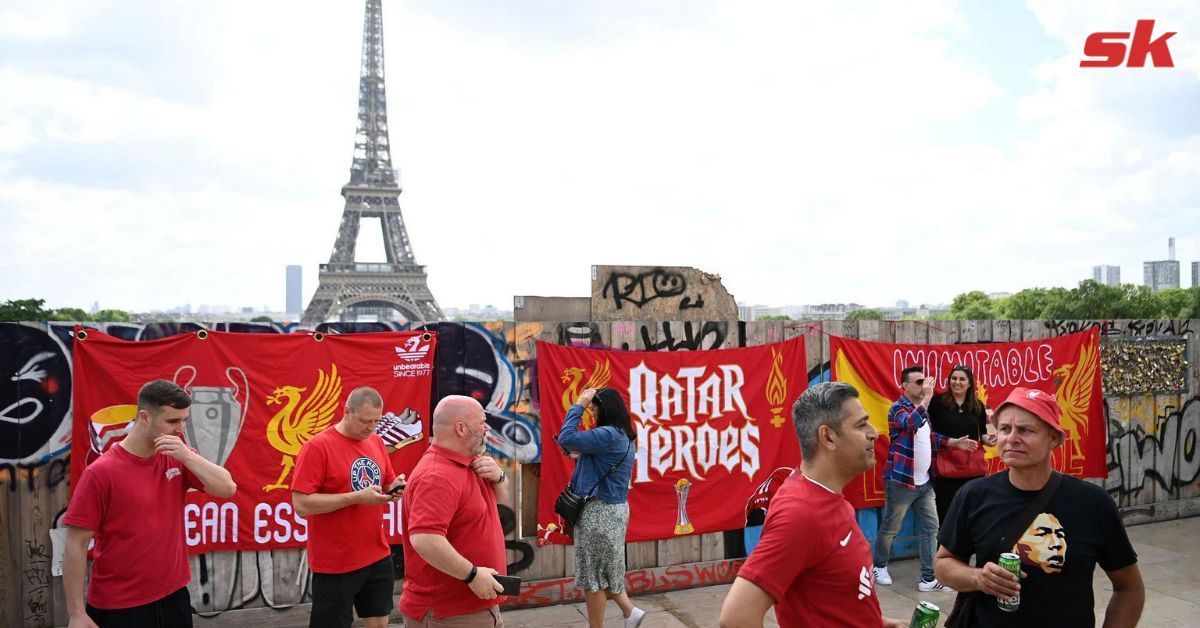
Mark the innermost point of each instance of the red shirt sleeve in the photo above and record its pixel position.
(86, 509)
(784, 551)
(431, 505)
(310, 468)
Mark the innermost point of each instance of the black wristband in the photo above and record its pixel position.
(471, 576)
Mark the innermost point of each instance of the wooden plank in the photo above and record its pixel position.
(643, 553)
(905, 332)
(214, 585)
(36, 596)
(772, 332)
(10, 567)
(248, 580)
(1033, 330)
(1118, 411)
(943, 332)
(969, 331)
(279, 572)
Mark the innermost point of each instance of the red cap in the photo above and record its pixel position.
(1041, 403)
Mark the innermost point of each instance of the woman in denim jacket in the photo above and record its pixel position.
(600, 533)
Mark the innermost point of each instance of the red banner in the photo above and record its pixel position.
(711, 427)
(255, 399)
(1068, 366)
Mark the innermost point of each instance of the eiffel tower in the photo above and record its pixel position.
(397, 288)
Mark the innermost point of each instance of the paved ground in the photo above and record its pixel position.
(1169, 555)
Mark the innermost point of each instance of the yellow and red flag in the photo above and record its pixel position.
(711, 426)
(256, 399)
(1068, 366)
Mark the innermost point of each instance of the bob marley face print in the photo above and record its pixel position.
(1044, 544)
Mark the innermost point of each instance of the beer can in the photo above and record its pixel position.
(925, 615)
(1012, 563)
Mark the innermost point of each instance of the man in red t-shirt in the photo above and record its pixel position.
(337, 487)
(455, 544)
(131, 500)
(813, 562)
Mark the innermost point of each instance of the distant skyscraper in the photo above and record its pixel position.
(1162, 274)
(1195, 274)
(1107, 275)
(294, 287)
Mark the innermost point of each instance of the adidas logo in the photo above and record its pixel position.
(864, 583)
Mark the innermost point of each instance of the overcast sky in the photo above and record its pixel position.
(160, 153)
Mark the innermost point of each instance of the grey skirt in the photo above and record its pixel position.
(600, 546)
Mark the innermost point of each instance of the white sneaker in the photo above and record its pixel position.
(933, 585)
(882, 576)
(635, 618)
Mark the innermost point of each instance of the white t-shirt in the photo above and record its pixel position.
(922, 455)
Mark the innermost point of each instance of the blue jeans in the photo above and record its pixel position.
(898, 500)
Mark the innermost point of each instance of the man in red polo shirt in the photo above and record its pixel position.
(132, 499)
(813, 562)
(454, 540)
(338, 488)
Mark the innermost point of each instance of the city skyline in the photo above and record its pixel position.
(537, 140)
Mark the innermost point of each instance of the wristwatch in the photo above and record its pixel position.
(471, 576)
(503, 477)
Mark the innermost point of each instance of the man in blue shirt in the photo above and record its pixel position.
(906, 476)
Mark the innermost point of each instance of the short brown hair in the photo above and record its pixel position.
(158, 393)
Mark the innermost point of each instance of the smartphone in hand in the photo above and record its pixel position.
(511, 584)
(399, 487)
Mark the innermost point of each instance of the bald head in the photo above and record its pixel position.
(459, 424)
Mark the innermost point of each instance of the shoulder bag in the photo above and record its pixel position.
(963, 613)
(960, 463)
(569, 504)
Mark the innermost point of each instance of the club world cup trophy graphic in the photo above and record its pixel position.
(682, 525)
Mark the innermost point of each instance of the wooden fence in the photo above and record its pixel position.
(1153, 429)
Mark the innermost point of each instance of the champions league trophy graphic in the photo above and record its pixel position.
(682, 525)
(217, 412)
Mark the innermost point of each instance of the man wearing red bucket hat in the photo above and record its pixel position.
(1061, 528)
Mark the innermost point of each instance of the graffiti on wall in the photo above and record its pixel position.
(35, 395)
(1122, 328)
(638, 581)
(686, 336)
(1166, 454)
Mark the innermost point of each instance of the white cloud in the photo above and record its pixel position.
(808, 153)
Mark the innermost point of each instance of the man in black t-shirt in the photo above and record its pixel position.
(1078, 529)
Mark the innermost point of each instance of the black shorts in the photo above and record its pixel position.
(367, 589)
(172, 611)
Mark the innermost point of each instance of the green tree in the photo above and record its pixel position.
(24, 310)
(1174, 302)
(774, 317)
(1024, 305)
(69, 314)
(261, 319)
(865, 314)
(974, 305)
(112, 316)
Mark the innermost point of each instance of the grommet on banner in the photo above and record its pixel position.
(81, 334)
(318, 336)
(202, 334)
(426, 336)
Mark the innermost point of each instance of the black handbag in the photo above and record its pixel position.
(569, 504)
(963, 613)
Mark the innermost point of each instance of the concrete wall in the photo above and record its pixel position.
(1153, 428)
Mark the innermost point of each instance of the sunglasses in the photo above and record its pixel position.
(919, 382)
